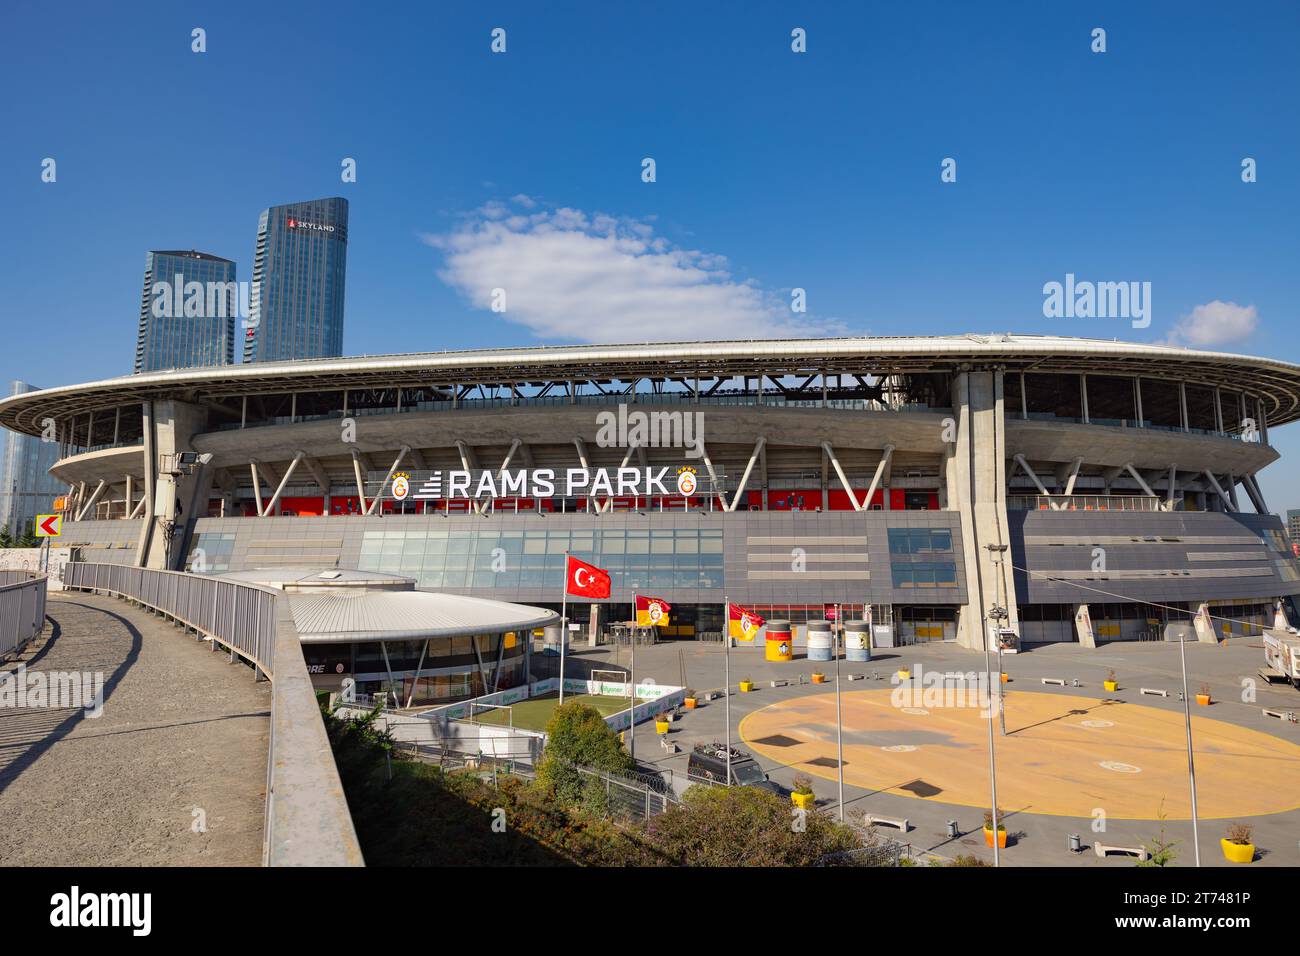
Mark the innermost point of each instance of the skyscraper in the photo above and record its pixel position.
(298, 277)
(26, 487)
(187, 311)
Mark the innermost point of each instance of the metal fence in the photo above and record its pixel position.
(22, 608)
(630, 795)
(238, 616)
(889, 853)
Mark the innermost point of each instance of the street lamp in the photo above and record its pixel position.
(998, 614)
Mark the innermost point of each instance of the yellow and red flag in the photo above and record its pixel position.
(742, 623)
(652, 611)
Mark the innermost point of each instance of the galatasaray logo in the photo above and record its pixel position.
(655, 611)
(686, 481)
(401, 485)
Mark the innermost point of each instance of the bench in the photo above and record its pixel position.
(898, 823)
(1153, 692)
(1058, 681)
(1140, 852)
(1280, 714)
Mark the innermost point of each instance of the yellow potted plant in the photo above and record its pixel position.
(988, 829)
(1203, 698)
(662, 723)
(1110, 683)
(1237, 847)
(818, 677)
(904, 672)
(746, 686)
(802, 795)
(691, 699)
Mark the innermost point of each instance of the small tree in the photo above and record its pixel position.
(6, 537)
(1161, 850)
(577, 736)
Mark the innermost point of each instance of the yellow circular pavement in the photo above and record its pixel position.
(1067, 756)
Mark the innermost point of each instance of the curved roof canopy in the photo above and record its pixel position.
(1278, 383)
(406, 616)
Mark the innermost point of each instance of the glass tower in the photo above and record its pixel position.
(187, 311)
(26, 486)
(298, 277)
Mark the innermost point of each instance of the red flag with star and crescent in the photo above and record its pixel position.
(585, 580)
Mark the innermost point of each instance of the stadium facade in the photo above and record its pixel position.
(1075, 483)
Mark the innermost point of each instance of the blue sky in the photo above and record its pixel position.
(774, 170)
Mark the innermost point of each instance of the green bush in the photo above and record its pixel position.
(577, 735)
(745, 826)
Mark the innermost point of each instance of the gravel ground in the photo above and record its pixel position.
(181, 731)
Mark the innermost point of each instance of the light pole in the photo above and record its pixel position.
(839, 723)
(998, 613)
(1191, 767)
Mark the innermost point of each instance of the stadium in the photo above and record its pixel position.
(1071, 489)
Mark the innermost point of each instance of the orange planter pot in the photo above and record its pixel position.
(1203, 700)
(1005, 679)
(819, 678)
(1002, 837)
(690, 703)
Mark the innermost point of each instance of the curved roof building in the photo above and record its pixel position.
(1088, 490)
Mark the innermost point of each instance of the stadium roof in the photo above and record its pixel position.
(1277, 382)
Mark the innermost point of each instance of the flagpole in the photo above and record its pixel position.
(631, 690)
(726, 690)
(839, 723)
(564, 624)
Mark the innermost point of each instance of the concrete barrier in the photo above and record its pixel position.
(899, 823)
(1151, 691)
(1102, 849)
(307, 817)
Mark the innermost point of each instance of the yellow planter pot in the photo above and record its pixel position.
(661, 726)
(746, 686)
(804, 801)
(904, 675)
(1110, 685)
(1238, 852)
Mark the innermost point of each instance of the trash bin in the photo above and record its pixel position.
(778, 643)
(819, 640)
(857, 641)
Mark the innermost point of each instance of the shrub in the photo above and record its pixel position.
(744, 826)
(802, 783)
(577, 736)
(1002, 819)
(1240, 833)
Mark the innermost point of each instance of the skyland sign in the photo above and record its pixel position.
(549, 482)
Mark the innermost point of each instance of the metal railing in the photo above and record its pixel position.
(22, 609)
(237, 616)
(1084, 502)
(307, 821)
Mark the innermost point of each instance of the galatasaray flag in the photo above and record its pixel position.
(651, 610)
(743, 624)
(585, 580)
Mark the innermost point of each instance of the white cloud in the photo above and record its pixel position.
(574, 276)
(1215, 323)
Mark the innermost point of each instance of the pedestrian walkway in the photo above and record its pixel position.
(172, 772)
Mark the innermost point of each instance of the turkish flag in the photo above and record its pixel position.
(585, 580)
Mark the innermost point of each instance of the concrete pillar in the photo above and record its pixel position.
(173, 425)
(1203, 625)
(593, 628)
(976, 483)
(1083, 626)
